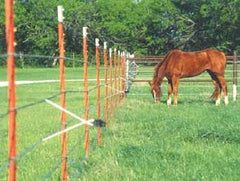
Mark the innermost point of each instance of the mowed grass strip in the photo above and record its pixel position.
(194, 141)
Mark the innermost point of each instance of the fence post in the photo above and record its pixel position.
(22, 60)
(73, 61)
(62, 90)
(126, 73)
(123, 75)
(119, 75)
(98, 88)
(115, 78)
(106, 81)
(10, 38)
(85, 67)
(111, 83)
(234, 76)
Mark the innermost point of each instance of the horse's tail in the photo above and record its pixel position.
(215, 93)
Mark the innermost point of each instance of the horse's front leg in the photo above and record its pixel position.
(175, 82)
(170, 88)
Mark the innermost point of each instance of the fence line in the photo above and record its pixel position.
(118, 88)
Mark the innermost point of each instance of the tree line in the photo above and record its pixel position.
(143, 27)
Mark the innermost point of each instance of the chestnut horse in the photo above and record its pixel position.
(178, 64)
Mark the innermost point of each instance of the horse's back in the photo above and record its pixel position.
(212, 55)
(187, 64)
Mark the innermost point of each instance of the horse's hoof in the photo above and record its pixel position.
(226, 100)
(217, 102)
(169, 102)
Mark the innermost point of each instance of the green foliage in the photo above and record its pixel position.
(146, 27)
(214, 24)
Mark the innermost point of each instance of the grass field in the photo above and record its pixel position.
(195, 140)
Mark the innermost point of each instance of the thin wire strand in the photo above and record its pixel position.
(72, 149)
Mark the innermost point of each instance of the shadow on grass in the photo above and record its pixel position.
(232, 137)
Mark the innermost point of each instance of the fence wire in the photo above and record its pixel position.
(33, 146)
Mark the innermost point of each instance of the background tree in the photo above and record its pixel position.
(147, 27)
(212, 24)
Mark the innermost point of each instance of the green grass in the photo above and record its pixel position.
(195, 140)
(48, 73)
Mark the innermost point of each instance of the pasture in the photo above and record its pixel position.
(195, 140)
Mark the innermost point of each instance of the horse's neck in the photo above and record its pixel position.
(159, 74)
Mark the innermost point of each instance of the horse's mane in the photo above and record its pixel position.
(159, 72)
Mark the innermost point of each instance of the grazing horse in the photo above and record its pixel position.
(178, 64)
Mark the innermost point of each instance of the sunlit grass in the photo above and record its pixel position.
(193, 141)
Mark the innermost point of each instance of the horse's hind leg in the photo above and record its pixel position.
(224, 87)
(170, 88)
(217, 92)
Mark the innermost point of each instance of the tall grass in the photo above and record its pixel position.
(195, 140)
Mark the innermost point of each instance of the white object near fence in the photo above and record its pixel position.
(234, 92)
(65, 130)
(60, 14)
(110, 52)
(105, 45)
(70, 113)
(96, 42)
(83, 121)
(84, 32)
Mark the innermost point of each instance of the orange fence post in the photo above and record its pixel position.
(115, 77)
(85, 67)
(111, 83)
(98, 88)
(106, 81)
(10, 38)
(62, 90)
(119, 75)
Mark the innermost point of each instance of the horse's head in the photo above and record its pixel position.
(156, 92)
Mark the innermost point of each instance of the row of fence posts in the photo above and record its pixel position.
(116, 94)
(117, 91)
